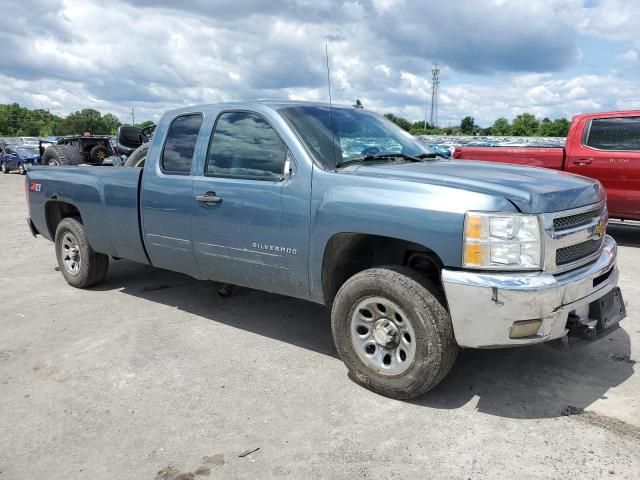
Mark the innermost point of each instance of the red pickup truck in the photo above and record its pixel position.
(604, 146)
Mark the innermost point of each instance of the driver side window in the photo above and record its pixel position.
(244, 145)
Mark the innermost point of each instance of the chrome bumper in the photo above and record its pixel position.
(484, 306)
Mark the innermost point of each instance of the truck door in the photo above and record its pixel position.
(609, 151)
(251, 209)
(167, 196)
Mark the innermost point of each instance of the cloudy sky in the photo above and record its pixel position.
(497, 57)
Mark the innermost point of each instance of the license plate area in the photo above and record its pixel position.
(608, 310)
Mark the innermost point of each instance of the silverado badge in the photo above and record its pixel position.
(601, 227)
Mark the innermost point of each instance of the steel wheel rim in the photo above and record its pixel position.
(70, 252)
(21, 168)
(4, 168)
(382, 336)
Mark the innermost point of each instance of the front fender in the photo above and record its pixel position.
(428, 215)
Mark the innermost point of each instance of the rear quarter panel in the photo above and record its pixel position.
(106, 197)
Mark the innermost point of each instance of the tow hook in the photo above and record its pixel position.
(583, 327)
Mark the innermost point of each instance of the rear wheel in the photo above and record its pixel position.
(393, 332)
(21, 169)
(79, 264)
(59, 155)
(138, 156)
(4, 168)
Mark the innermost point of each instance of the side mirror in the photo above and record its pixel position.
(287, 171)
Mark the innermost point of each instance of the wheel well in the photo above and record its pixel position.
(55, 211)
(349, 253)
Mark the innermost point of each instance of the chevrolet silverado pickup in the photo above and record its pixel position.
(603, 146)
(415, 255)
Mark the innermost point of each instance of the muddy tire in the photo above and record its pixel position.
(79, 264)
(392, 330)
(60, 155)
(138, 156)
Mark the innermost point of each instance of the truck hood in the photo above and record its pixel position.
(531, 189)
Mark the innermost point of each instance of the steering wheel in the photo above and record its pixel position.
(370, 151)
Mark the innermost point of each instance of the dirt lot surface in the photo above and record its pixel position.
(152, 375)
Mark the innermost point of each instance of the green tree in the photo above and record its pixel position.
(561, 127)
(109, 124)
(524, 125)
(501, 127)
(468, 125)
(545, 129)
(146, 123)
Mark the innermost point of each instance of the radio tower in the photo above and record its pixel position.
(435, 83)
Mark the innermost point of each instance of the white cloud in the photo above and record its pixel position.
(156, 55)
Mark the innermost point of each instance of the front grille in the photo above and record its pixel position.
(577, 220)
(577, 252)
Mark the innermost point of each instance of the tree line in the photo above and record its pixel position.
(17, 121)
(524, 125)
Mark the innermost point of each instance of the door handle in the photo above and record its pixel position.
(583, 161)
(208, 198)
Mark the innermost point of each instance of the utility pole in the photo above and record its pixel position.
(435, 84)
(133, 117)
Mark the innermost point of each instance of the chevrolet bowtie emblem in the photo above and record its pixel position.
(601, 228)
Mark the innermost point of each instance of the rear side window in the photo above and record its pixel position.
(180, 144)
(244, 145)
(621, 133)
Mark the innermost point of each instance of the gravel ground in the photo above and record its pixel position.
(154, 376)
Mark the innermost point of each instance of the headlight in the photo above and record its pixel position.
(497, 241)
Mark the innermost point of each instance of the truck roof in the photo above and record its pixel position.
(274, 104)
(617, 113)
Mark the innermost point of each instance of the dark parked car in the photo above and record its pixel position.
(77, 149)
(17, 157)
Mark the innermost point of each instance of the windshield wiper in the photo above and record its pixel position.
(383, 156)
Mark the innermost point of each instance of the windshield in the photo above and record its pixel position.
(356, 134)
(27, 151)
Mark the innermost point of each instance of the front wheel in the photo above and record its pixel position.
(79, 264)
(21, 169)
(4, 168)
(393, 332)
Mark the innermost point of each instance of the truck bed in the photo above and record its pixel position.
(548, 157)
(107, 199)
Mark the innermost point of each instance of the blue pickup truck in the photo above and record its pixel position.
(415, 255)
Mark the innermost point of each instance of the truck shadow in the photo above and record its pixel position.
(626, 234)
(533, 382)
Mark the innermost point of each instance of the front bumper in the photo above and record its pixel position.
(484, 306)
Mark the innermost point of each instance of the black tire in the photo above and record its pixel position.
(22, 170)
(4, 168)
(97, 154)
(92, 267)
(138, 156)
(424, 306)
(60, 155)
